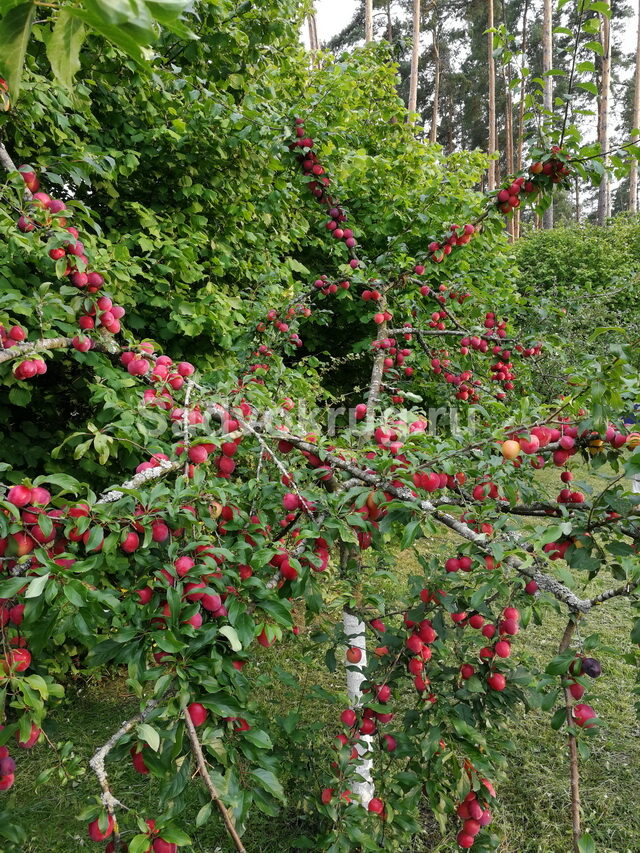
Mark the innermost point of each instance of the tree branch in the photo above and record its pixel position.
(574, 772)
(20, 350)
(97, 763)
(206, 778)
(6, 161)
(163, 467)
(544, 581)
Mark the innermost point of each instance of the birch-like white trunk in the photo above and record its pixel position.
(354, 630)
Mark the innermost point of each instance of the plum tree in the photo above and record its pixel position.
(242, 506)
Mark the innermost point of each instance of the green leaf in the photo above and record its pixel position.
(600, 6)
(64, 481)
(588, 87)
(560, 663)
(9, 587)
(20, 396)
(15, 29)
(139, 844)
(596, 46)
(166, 11)
(124, 13)
(633, 464)
(148, 734)
(586, 844)
(269, 782)
(549, 700)
(410, 533)
(175, 836)
(63, 47)
(232, 635)
(551, 534)
(279, 611)
(95, 539)
(258, 738)
(222, 704)
(204, 814)
(559, 719)
(117, 35)
(36, 586)
(168, 641)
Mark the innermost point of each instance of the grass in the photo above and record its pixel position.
(532, 813)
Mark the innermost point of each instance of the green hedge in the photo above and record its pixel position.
(585, 257)
(580, 288)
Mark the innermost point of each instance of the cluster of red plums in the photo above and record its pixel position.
(319, 185)
(457, 235)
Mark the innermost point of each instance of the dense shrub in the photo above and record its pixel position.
(579, 288)
(583, 258)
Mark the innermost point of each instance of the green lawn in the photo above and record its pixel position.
(532, 813)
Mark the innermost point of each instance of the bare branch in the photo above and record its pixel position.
(206, 778)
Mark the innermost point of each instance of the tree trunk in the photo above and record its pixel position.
(508, 126)
(368, 21)
(450, 136)
(574, 772)
(433, 135)
(520, 141)
(547, 65)
(355, 632)
(604, 195)
(491, 175)
(415, 57)
(633, 174)
(578, 212)
(313, 36)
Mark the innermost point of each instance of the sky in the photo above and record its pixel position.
(332, 16)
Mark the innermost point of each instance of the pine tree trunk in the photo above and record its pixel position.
(313, 37)
(415, 57)
(508, 126)
(604, 196)
(520, 142)
(389, 24)
(433, 135)
(633, 174)
(547, 65)
(450, 137)
(368, 21)
(491, 175)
